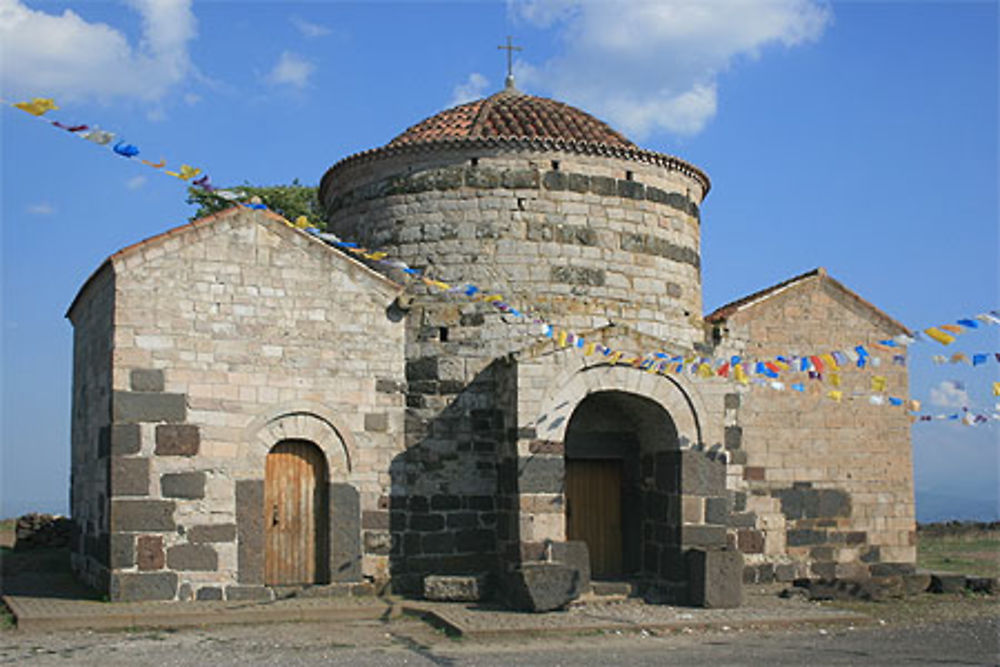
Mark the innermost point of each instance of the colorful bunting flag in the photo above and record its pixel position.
(939, 336)
(125, 150)
(38, 106)
(99, 136)
(186, 173)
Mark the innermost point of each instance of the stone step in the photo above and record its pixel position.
(611, 588)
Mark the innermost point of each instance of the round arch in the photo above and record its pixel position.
(301, 421)
(672, 393)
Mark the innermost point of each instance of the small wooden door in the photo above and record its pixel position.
(594, 512)
(295, 514)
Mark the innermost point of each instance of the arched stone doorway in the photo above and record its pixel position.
(296, 515)
(614, 502)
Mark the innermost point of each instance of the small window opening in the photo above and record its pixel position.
(628, 175)
(555, 165)
(443, 334)
(520, 203)
(474, 161)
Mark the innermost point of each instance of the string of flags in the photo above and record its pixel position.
(750, 371)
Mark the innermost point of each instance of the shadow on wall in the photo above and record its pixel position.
(453, 506)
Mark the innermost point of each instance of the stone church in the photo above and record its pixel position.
(255, 409)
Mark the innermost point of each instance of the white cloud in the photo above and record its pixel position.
(654, 66)
(473, 88)
(41, 208)
(191, 99)
(135, 182)
(290, 70)
(65, 56)
(309, 29)
(949, 394)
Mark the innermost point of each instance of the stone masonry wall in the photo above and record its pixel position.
(230, 335)
(585, 240)
(91, 316)
(829, 486)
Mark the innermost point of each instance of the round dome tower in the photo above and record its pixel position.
(536, 200)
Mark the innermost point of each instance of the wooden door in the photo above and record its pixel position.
(594, 512)
(295, 514)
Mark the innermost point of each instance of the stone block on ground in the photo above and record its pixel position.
(944, 582)
(873, 589)
(456, 587)
(543, 586)
(716, 578)
(988, 585)
(576, 555)
(916, 583)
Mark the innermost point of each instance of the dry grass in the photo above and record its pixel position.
(974, 552)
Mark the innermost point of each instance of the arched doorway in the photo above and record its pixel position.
(296, 515)
(610, 443)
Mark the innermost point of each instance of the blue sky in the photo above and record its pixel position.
(859, 136)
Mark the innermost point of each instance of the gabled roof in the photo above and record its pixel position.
(725, 312)
(211, 219)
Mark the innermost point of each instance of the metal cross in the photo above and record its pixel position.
(510, 48)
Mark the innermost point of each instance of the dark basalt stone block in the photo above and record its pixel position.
(543, 587)
(142, 406)
(132, 587)
(716, 578)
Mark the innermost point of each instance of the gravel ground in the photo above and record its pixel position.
(928, 630)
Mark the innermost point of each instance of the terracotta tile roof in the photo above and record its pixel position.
(513, 114)
(723, 313)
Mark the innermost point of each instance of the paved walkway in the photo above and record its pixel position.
(42, 613)
(762, 609)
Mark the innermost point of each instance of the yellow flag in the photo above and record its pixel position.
(836, 395)
(187, 172)
(615, 356)
(562, 339)
(705, 371)
(589, 349)
(37, 106)
(740, 376)
(878, 383)
(996, 388)
(301, 222)
(781, 364)
(940, 336)
(430, 282)
(376, 255)
(835, 379)
(828, 360)
(915, 404)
